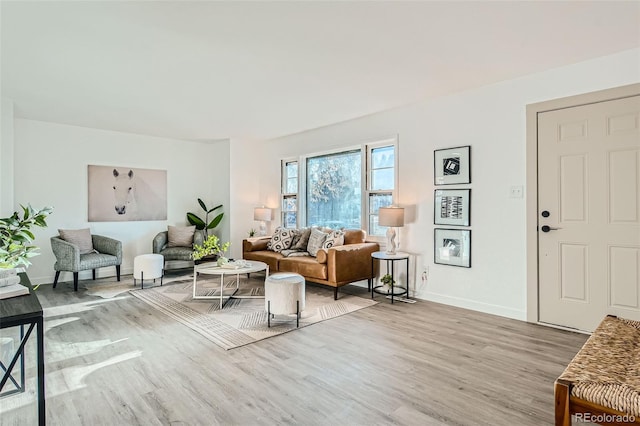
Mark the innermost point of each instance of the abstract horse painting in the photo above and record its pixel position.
(126, 194)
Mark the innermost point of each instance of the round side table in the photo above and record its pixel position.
(396, 290)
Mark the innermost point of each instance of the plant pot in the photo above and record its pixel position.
(386, 288)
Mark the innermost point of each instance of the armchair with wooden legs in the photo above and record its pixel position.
(107, 252)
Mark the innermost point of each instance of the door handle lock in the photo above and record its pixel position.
(547, 228)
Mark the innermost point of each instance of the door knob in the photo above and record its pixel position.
(547, 228)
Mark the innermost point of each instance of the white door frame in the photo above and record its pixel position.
(532, 177)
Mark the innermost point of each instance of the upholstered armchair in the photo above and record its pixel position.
(161, 246)
(106, 252)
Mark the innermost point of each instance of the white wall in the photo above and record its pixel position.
(492, 120)
(51, 169)
(6, 157)
(246, 166)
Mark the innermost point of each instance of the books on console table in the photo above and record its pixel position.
(13, 290)
(13, 279)
(4, 273)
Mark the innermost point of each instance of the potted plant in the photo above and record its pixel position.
(16, 237)
(388, 282)
(252, 233)
(211, 247)
(205, 224)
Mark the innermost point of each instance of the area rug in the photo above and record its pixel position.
(242, 321)
(107, 288)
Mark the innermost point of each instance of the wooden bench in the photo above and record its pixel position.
(602, 382)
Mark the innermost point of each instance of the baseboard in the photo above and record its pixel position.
(474, 305)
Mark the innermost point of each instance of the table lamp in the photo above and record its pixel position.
(262, 215)
(391, 217)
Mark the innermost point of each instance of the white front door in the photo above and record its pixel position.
(589, 213)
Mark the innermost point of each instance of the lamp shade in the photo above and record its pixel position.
(262, 214)
(391, 216)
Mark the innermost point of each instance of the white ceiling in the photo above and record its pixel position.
(211, 70)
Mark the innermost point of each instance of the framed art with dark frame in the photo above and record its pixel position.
(452, 165)
(452, 207)
(452, 247)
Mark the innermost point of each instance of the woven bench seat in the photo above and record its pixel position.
(604, 376)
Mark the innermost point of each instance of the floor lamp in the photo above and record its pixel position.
(262, 215)
(391, 217)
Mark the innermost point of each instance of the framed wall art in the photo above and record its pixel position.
(452, 207)
(452, 247)
(452, 165)
(119, 194)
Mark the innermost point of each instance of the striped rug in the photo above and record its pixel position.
(241, 321)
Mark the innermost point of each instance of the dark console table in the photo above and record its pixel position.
(24, 311)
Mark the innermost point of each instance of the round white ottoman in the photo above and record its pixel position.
(284, 295)
(149, 266)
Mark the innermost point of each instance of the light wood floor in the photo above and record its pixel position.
(120, 362)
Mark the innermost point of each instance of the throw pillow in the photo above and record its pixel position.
(316, 239)
(180, 236)
(322, 255)
(334, 239)
(297, 233)
(78, 237)
(301, 241)
(281, 239)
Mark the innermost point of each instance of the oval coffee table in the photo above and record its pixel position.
(212, 268)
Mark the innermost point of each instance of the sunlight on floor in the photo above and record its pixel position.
(62, 381)
(65, 379)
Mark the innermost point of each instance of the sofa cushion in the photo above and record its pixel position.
(271, 258)
(95, 260)
(281, 239)
(315, 242)
(176, 253)
(334, 239)
(180, 236)
(305, 266)
(78, 237)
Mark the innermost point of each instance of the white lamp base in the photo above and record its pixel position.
(263, 229)
(391, 240)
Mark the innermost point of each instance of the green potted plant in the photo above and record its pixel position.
(16, 237)
(211, 247)
(252, 233)
(205, 224)
(388, 281)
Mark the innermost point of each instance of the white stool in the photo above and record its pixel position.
(284, 295)
(149, 266)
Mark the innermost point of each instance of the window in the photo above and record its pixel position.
(333, 190)
(290, 194)
(341, 189)
(380, 183)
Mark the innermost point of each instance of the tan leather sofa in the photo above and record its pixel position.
(335, 267)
